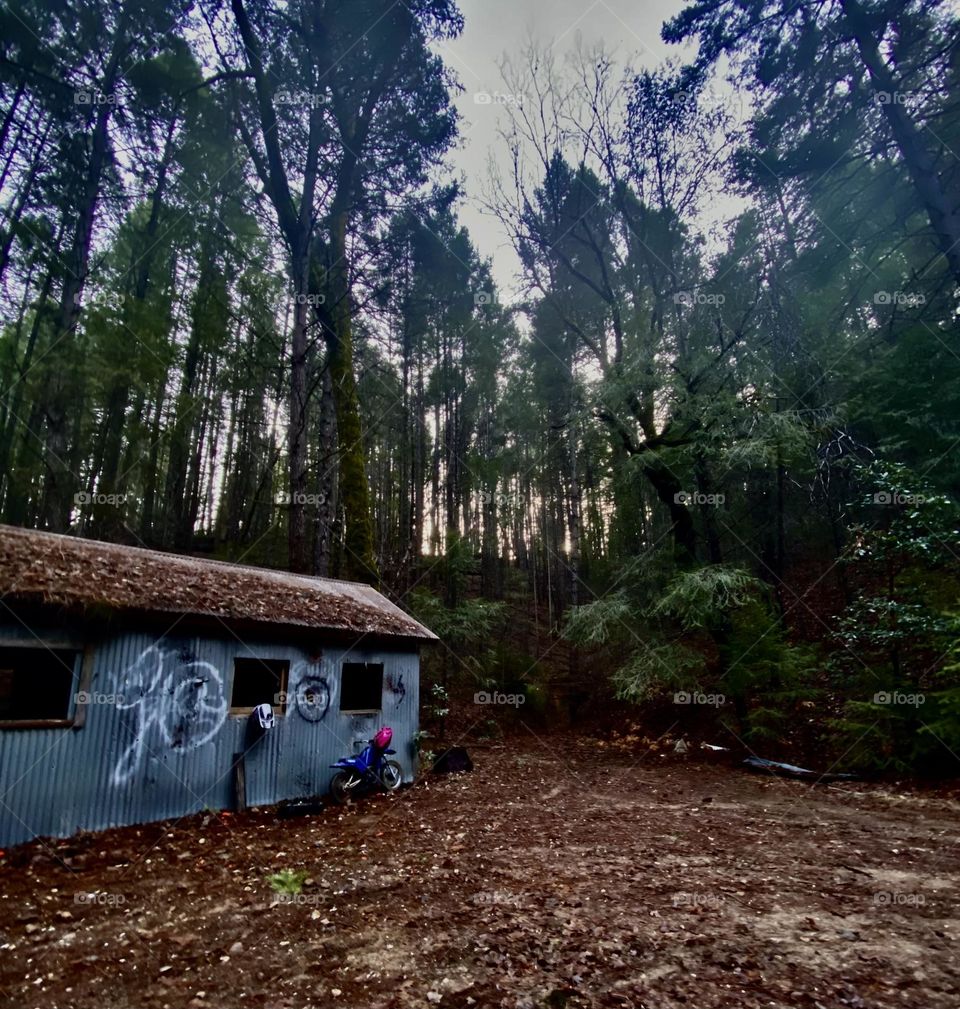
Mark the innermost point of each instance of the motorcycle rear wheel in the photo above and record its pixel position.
(343, 785)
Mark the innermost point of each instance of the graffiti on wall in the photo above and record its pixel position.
(312, 694)
(396, 687)
(178, 702)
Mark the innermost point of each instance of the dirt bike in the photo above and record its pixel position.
(368, 770)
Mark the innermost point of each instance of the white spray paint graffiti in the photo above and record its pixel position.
(177, 698)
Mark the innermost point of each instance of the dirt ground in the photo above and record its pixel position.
(595, 879)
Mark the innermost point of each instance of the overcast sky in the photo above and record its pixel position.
(630, 28)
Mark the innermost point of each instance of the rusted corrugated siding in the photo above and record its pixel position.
(166, 749)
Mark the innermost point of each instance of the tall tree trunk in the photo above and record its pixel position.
(668, 490)
(326, 478)
(299, 559)
(407, 462)
(148, 532)
(573, 517)
(177, 503)
(23, 196)
(701, 469)
(9, 115)
(359, 562)
(12, 418)
(420, 449)
(105, 519)
(58, 497)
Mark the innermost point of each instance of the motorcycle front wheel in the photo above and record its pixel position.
(344, 784)
(391, 776)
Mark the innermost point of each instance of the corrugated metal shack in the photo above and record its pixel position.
(127, 679)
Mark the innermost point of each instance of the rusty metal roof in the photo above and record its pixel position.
(41, 567)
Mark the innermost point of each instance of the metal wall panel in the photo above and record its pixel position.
(158, 741)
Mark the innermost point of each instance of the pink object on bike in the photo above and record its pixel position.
(383, 738)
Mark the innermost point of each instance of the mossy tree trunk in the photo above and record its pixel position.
(359, 560)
